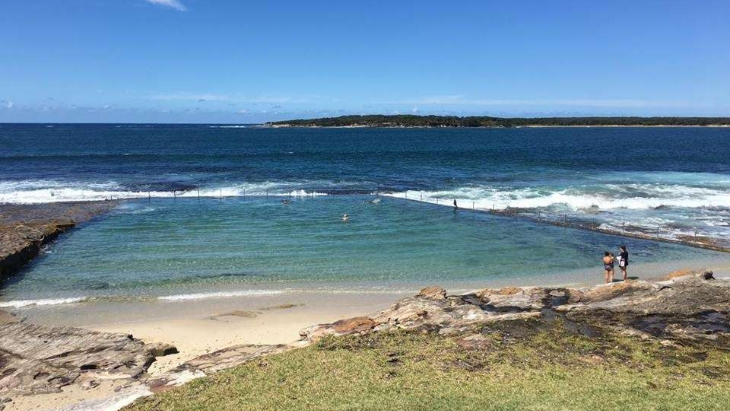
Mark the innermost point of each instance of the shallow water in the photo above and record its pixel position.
(190, 249)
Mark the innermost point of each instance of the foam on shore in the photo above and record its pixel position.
(113, 298)
(224, 294)
(41, 302)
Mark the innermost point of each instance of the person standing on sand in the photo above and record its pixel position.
(613, 265)
(623, 261)
(608, 261)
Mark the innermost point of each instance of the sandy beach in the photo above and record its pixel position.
(198, 328)
(233, 323)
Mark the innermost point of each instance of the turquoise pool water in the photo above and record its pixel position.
(207, 248)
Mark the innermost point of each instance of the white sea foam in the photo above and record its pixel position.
(632, 197)
(50, 191)
(49, 301)
(674, 204)
(177, 297)
(230, 126)
(221, 294)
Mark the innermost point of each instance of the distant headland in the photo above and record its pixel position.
(498, 122)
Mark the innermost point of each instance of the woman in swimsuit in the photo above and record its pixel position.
(608, 267)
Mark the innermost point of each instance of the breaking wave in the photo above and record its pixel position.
(51, 191)
(675, 204)
(122, 298)
(49, 301)
(607, 197)
(222, 294)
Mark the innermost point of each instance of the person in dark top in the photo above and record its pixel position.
(623, 261)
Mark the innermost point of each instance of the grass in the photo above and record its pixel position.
(524, 366)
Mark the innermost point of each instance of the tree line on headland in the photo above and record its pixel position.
(484, 121)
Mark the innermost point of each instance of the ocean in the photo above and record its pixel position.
(213, 211)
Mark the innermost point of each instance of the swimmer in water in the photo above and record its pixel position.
(285, 202)
(345, 217)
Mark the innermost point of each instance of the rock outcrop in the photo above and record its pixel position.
(693, 306)
(211, 363)
(38, 359)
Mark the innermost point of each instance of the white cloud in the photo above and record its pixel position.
(228, 98)
(175, 4)
(8, 104)
(460, 100)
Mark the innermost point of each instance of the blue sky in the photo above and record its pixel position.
(252, 61)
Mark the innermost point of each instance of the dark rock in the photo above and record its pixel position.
(162, 349)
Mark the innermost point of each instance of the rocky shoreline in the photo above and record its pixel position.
(24, 229)
(706, 243)
(682, 308)
(702, 242)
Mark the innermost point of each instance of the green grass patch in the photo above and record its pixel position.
(522, 366)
